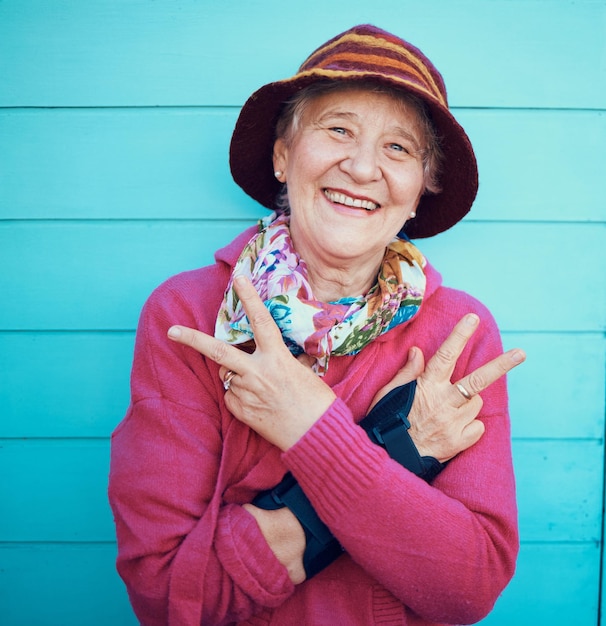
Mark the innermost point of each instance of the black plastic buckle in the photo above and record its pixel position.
(397, 421)
(321, 547)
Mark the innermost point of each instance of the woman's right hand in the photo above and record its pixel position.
(443, 421)
(285, 536)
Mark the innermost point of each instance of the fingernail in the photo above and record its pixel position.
(517, 356)
(412, 353)
(472, 319)
(174, 332)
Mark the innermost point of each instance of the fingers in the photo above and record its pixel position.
(441, 365)
(485, 375)
(265, 331)
(222, 353)
(411, 371)
(414, 365)
(470, 435)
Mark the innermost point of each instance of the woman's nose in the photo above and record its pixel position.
(362, 164)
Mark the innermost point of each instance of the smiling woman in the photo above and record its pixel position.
(287, 443)
(290, 119)
(354, 176)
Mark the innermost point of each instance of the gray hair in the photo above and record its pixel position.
(289, 123)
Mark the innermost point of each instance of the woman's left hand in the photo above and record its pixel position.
(444, 415)
(270, 391)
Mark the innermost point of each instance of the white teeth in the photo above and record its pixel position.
(341, 198)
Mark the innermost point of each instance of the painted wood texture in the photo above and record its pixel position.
(82, 384)
(89, 586)
(115, 119)
(494, 53)
(172, 164)
(96, 275)
(557, 482)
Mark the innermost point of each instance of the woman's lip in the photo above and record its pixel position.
(344, 198)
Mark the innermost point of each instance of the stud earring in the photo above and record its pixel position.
(412, 215)
(278, 174)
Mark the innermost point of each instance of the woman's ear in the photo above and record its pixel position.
(280, 159)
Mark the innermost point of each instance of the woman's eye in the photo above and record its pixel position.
(399, 148)
(339, 130)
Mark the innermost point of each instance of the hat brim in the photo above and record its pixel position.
(253, 140)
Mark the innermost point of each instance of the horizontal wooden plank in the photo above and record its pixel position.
(554, 584)
(559, 391)
(531, 276)
(62, 584)
(532, 168)
(559, 486)
(55, 491)
(169, 53)
(121, 164)
(81, 384)
(96, 275)
(559, 495)
(63, 384)
(173, 163)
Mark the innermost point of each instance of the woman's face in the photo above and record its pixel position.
(354, 174)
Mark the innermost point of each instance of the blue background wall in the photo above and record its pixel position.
(114, 125)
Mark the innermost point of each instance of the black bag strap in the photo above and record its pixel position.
(321, 547)
(387, 426)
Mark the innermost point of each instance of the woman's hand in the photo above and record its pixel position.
(270, 390)
(442, 419)
(285, 536)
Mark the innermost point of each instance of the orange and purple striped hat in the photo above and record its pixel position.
(363, 53)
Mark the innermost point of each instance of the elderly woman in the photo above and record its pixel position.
(276, 354)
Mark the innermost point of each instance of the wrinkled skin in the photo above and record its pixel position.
(280, 397)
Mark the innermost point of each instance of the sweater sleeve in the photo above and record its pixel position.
(186, 555)
(446, 550)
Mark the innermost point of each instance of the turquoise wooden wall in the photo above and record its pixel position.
(115, 118)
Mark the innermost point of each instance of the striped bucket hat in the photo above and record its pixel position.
(363, 53)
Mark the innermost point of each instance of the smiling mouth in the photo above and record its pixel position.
(356, 203)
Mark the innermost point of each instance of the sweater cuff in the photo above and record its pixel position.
(248, 559)
(335, 461)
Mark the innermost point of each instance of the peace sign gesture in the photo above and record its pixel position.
(271, 391)
(443, 415)
(280, 398)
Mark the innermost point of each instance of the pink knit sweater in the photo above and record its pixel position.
(182, 466)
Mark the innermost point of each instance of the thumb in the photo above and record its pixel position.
(415, 365)
(411, 371)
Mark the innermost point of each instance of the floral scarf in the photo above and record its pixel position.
(317, 328)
